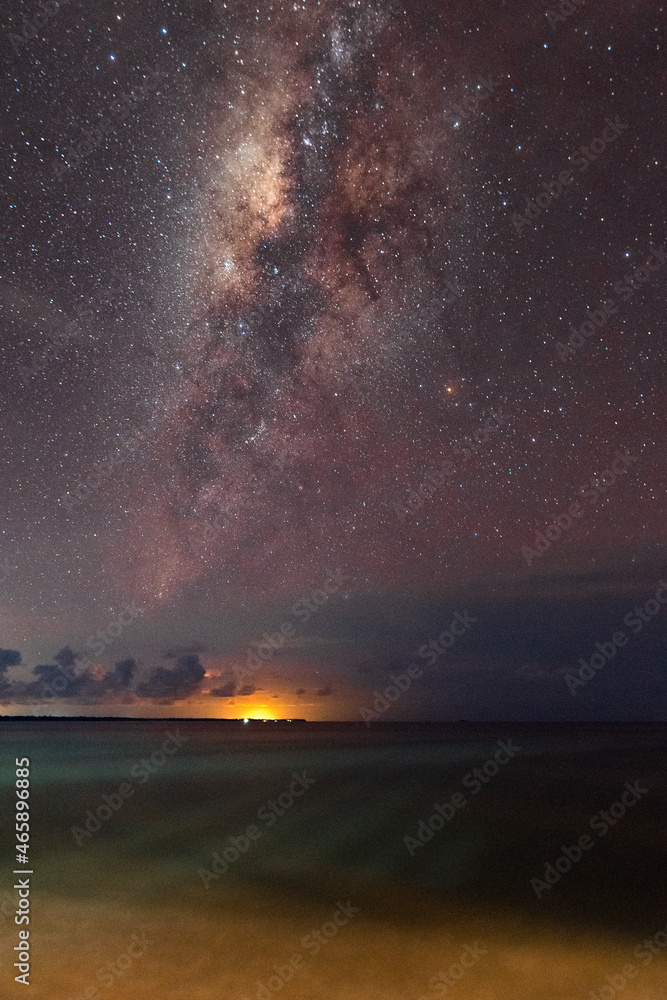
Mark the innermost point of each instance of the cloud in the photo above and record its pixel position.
(510, 664)
(52, 679)
(230, 689)
(121, 676)
(9, 658)
(60, 678)
(66, 657)
(176, 684)
(227, 690)
(65, 680)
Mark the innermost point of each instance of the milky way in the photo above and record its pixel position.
(330, 211)
(336, 367)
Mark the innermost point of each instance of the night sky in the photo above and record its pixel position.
(313, 315)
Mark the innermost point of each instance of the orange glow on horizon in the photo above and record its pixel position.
(257, 712)
(267, 711)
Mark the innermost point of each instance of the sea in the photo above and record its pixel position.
(216, 860)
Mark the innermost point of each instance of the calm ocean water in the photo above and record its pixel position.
(334, 872)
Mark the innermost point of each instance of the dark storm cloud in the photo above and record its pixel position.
(63, 681)
(9, 658)
(66, 657)
(121, 677)
(227, 690)
(52, 679)
(176, 684)
(231, 689)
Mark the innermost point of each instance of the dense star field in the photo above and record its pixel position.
(313, 291)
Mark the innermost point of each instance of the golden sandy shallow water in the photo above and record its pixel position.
(202, 956)
(125, 914)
